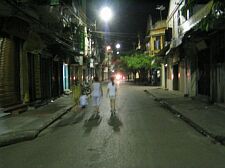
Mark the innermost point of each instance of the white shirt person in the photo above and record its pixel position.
(111, 92)
(97, 93)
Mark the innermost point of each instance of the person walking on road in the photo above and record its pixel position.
(97, 93)
(111, 92)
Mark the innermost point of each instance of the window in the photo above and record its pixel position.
(157, 43)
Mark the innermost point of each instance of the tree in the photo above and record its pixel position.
(139, 62)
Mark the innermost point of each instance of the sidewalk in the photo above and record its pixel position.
(29, 124)
(207, 119)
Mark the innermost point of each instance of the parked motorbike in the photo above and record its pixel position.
(86, 89)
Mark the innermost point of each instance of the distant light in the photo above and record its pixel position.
(118, 46)
(118, 76)
(158, 73)
(166, 65)
(117, 52)
(108, 48)
(106, 14)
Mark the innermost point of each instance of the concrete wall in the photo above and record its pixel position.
(181, 76)
(163, 76)
(193, 84)
(191, 69)
(220, 83)
(169, 77)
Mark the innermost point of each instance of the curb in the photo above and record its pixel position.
(15, 137)
(59, 114)
(198, 128)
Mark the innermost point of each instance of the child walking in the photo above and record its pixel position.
(83, 100)
(111, 92)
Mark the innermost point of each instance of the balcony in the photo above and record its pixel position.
(195, 19)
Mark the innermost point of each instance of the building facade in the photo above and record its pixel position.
(192, 62)
(42, 45)
(155, 43)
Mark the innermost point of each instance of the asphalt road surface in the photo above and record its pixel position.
(142, 135)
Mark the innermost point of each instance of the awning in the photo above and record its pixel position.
(163, 51)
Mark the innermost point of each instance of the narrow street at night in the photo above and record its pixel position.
(112, 84)
(142, 134)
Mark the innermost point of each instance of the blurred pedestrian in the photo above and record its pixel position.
(83, 100)
(111, 92)
(97, 93)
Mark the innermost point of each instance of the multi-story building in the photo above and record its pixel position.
(41, 45)
(156, 36)
(155, 43)
(192, 62)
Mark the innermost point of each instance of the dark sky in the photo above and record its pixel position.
(130, 17)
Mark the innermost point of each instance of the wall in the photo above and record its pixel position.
(181, 76)
(220, 81)
(169, 77)
(163, 76)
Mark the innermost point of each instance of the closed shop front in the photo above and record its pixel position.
(9, 72)
(46, 82)
(57, 79)
(34, 76)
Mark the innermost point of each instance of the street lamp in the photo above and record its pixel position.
(106, 14)
(108, 49)
(117, 46)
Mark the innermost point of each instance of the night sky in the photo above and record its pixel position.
(130, 18)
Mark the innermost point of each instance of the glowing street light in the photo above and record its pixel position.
(108, 48)
(118, 46)
(106, 14)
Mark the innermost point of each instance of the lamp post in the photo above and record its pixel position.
(106, 15)
(108, 50)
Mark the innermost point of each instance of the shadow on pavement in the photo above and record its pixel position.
(92, 122)
(115, 122)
